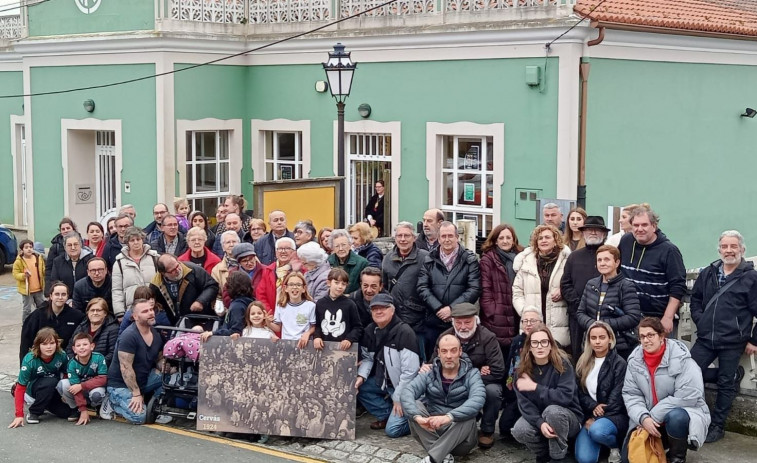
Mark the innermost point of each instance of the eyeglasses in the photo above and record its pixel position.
(171, 225)
(294, 285)
(529, 321)
(539, 343)
(342, 246)
(73, 245)
(174, 270)
(648, 337)
(284, 249)
(97, 270)
(94, 310)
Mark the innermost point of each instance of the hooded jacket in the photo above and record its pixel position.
(656, 269)
(497, 311)
(404, 290)
(19, 266)
(316, 281)
(195, 285)
(552, 388)
(395, 348)
(63, 270)
(128, 274)
(105, 337)
(678, 382)
(440, 287)
(727, 322)
(612, 373)
(527, 291)
(85, 291)
(353, 266)
(619, 309)
(463, 400)
(482, 349)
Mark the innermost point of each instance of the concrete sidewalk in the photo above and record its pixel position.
(369, 446)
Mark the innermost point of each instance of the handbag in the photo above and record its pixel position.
(645, 448)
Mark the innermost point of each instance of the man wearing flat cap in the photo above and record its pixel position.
(390, 360)
(262, 278)
(581, 267)
(482, 348)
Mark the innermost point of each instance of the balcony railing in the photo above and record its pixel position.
(11, 27)
(296, 11)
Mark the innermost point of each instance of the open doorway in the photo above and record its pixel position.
(370, 160)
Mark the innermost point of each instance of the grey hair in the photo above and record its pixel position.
(654, 219)
(338, 233)
(312, 252)
(407, 225)
(134, 232)
(286, 239)
(550, 206)
(306, 225)
(197, 231)
(126, 206)
(534, 309)
(447, 223)
(229, 233)
(124, 215)
(733, 234)
(68, 236)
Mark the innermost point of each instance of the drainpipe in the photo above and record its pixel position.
(584, 69)
(599, 38)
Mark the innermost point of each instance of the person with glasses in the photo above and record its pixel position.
(117, 240)
(71, 266)
(135, 266)
(547, 397)
(101, 325)
(257, 230)
(183, 288)
(345, 258)
(664, 392)
(66, 226)
(530, 317)
(171, 240)
(200, 220)
(265, 247)
(294, 318)
(198, 253)
(96, 284)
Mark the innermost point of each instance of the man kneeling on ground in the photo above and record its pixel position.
(444, 422)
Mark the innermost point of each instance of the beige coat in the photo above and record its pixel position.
(527, 291)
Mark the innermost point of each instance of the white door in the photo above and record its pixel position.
(369, 155)
(23, 178)
(105, 172)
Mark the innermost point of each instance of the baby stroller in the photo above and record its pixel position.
(178, 397)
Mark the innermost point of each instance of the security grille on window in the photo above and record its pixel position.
(283, 155)
(207, 169)
(468, 180)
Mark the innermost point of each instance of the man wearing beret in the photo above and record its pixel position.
(482, 348)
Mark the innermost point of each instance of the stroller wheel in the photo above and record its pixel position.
(151, 412)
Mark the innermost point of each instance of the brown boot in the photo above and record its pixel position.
(380, 424)
(485, 440)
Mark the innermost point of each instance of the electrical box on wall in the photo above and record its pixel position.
(533, 76)
(525, 202)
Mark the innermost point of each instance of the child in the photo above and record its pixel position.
(185, 345)
(41, 370)
(239, 289)
(87, 375)
(257, 323)
(181, 207)
(294, 317)
(336, 316)
(29, 271)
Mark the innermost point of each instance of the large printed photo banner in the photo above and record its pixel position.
(262, 387)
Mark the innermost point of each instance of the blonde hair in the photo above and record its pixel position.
(283, 299)
(260, 223)
(586, 361)
(363, 230)
(177, 202)
(538, 230)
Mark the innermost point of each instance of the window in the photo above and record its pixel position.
(208, 167)
(468, 180)
(283, 155)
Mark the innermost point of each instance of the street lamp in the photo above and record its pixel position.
(339, 71)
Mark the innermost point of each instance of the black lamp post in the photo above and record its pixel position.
(339, 71)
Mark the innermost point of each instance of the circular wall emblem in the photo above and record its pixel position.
(88, 6)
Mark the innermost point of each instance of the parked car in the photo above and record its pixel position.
(8, 247)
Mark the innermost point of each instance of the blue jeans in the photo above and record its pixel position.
(379, 404)
(676, 423)
(120, 397)
(590, 441)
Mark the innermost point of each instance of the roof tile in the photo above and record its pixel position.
(737, 17)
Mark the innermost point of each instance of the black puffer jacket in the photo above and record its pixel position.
(727, 323)
(63, 270)
(612, 373)
(439, 287)
(64, 324)
(57, 247)
(619, 309)
(85, 291)
(410, 307)
(105, 337)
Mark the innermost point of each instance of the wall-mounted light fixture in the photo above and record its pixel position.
(89, 105)
(750, 113)
(321, 86)
(364, 110)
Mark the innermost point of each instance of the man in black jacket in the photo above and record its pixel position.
(183, 288)
(171, 240)
(116, 241)
(265, 247)
(449, 275)
(723, 304)
(370, 286)
(581, 267)
(96, 284)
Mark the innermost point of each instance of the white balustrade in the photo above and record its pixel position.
(10, 27)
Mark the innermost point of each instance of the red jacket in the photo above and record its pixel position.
(211, 260)
(263, 287)
(497, 312)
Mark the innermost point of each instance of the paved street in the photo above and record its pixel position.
(179, 442)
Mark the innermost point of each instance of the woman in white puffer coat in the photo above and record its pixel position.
(539, 269)
(135, 266)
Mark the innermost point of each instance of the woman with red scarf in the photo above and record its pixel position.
(664, 392)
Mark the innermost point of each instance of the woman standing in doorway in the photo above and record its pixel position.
(374, 210)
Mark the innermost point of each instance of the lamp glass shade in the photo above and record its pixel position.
(339, 72)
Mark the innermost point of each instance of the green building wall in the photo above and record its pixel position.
(11, 83)
(670, 134)
(133, 104)
(61, 17)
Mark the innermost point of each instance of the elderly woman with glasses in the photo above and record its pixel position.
(198, 253)
(101, 325)
(664, 392)
(71, 266)
(345, 258)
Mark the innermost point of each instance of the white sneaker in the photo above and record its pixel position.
(614, 456)
(106, 409)
(426, 459)
(449, 459)
(163, 419)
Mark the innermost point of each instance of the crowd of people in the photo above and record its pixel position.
(568, 339)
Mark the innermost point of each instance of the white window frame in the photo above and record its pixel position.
(234, 128)
(435, 135)
(259, 129)
(217, 161)
(276, 150)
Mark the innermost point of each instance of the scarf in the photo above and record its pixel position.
(281, 272)
(507, 258)
(448, 259)
(653, 361)
(544, 266)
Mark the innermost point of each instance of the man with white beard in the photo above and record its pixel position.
(482, 348)
(581, 267)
